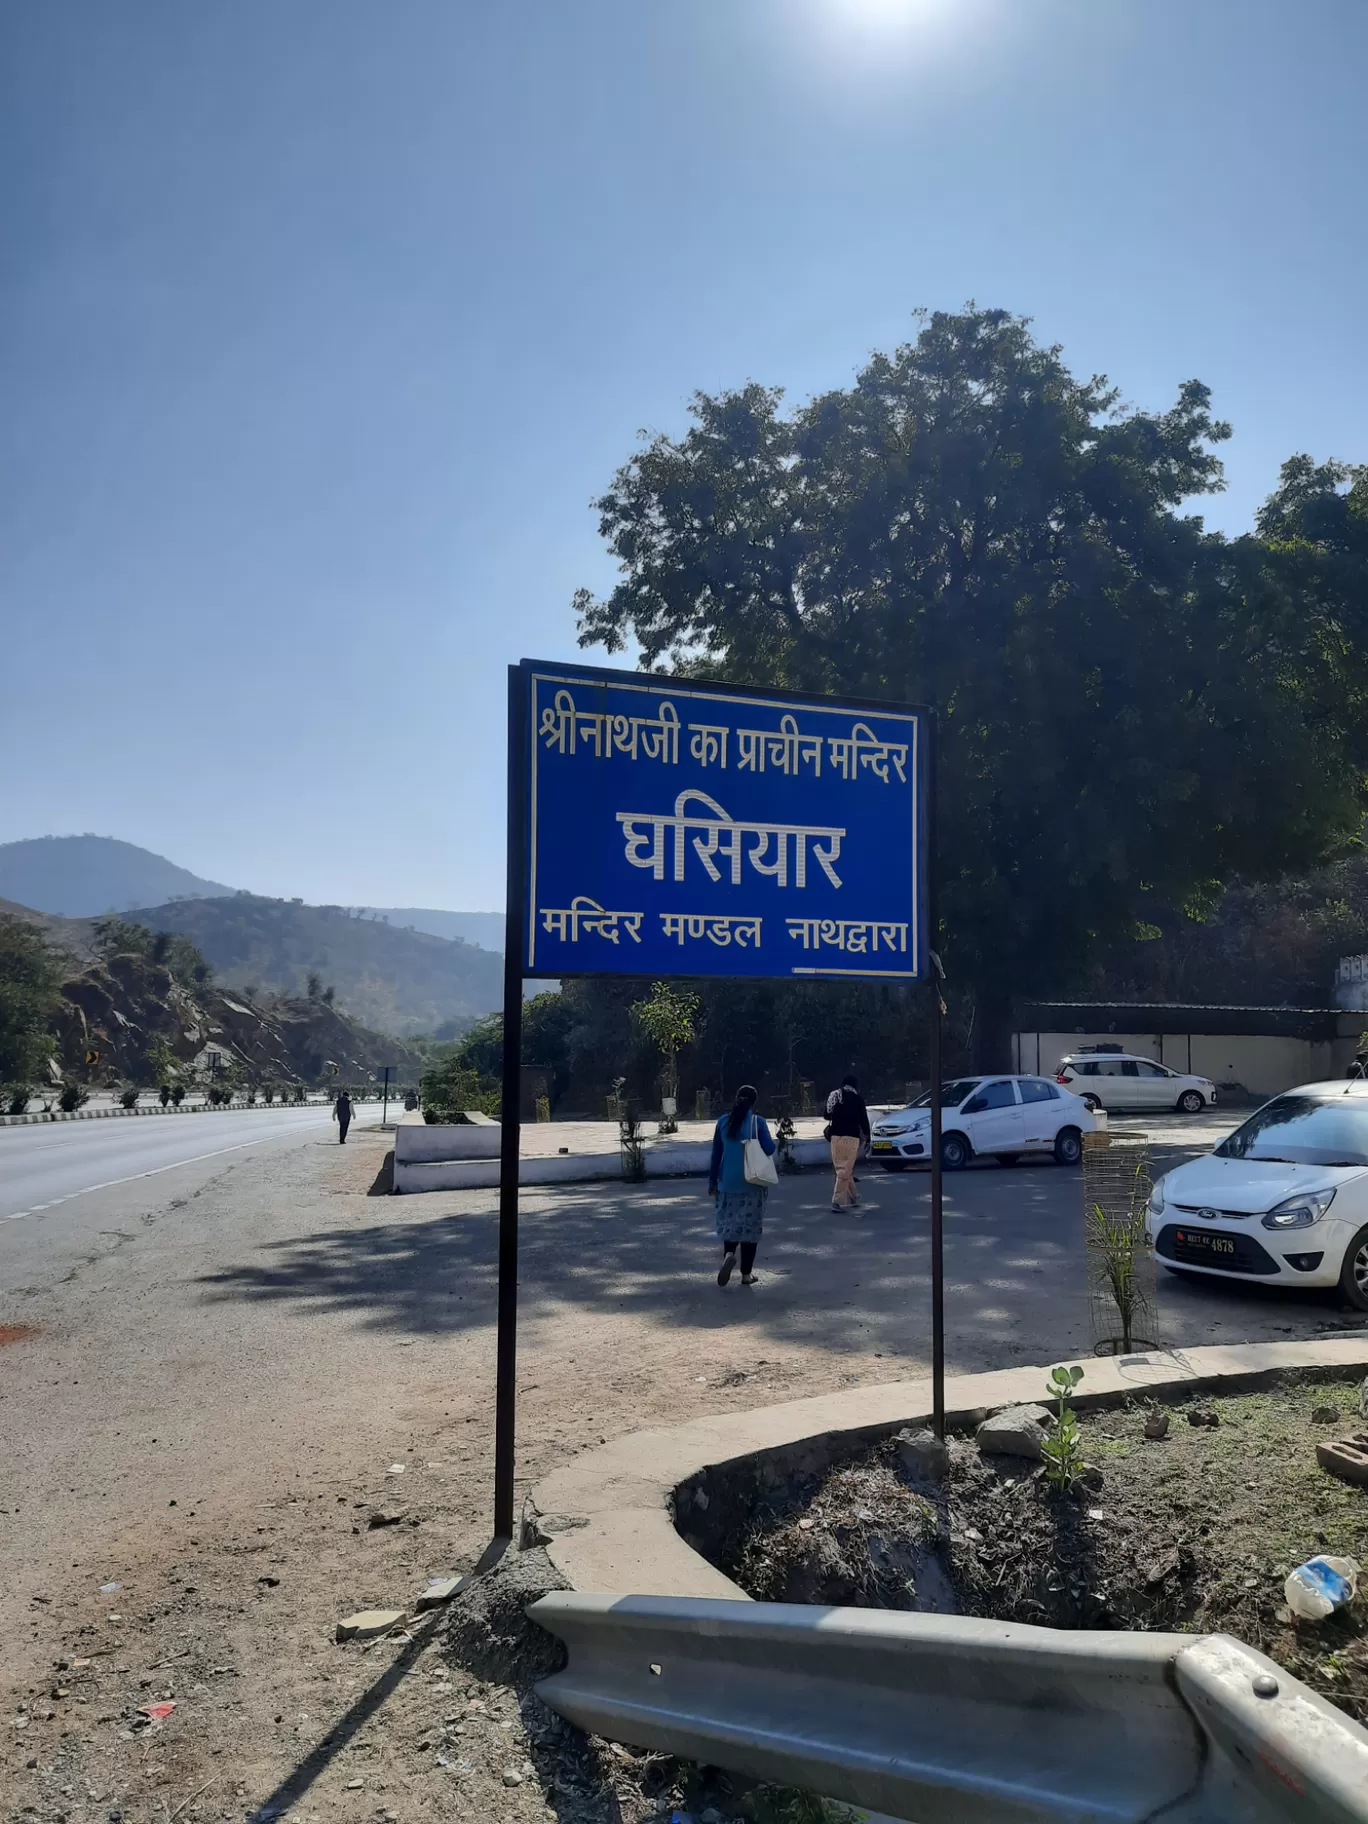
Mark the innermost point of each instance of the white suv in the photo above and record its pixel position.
(1001, 1116)
(1119, 1081)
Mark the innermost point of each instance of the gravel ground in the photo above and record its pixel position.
(206, 1388)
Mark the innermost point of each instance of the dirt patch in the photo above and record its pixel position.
(17, 1333)
(506, 1755)
(1196, 1530)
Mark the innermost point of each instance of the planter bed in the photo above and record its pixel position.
(1196, 1530)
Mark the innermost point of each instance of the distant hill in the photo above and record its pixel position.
(82, 876)
(483, 928)
(396, 981)
(73, 937)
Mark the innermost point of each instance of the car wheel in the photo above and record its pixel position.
(1007, 1158)
(894, 1165)
(955, 1152)
(1068, 1146)
(1354, 1272)
(1192, 1102)
(1091, 1103)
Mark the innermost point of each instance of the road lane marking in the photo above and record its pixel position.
(132, 1178)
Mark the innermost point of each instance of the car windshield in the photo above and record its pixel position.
(1303, 1130)
(952, 1094)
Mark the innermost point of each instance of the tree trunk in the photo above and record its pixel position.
(991, 1047)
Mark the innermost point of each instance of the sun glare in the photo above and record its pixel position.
(889, 13)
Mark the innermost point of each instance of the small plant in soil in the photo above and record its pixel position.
(631, 1139)
(1115, 1241)
(785, 1133)
(1062, 1449)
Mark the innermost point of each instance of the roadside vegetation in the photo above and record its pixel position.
(141, 1012)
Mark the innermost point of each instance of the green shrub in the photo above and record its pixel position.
(451, 1088)
(1062, 1449)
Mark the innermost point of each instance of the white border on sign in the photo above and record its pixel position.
(663, 686)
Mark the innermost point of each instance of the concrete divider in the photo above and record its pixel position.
(456, 1156)
(106, 1114)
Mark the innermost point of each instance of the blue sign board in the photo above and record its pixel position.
(677, 828)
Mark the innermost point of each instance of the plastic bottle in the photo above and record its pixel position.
(1320, 1586)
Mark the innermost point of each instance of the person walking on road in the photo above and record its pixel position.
(740, 1204)
(848, 1131)
(342, 1114)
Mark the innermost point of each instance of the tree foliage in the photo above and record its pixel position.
(1131, 710)
(29, 999)
(669, 1017)
(778, 1035)
(173, 951)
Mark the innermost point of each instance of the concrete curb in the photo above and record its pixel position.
(608, 1513)
(663, 1159)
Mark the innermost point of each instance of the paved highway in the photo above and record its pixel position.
(45, 1166)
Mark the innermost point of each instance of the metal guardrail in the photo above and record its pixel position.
(947, 1720)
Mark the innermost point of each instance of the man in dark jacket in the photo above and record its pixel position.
(849, 1126)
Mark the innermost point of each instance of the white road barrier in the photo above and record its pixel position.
(947, 1720)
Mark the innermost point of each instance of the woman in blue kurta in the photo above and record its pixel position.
(740, 1206)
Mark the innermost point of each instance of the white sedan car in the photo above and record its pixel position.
(1000, 1116)
(1284, 1199)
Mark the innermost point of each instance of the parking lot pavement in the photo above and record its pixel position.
(1176, 1137)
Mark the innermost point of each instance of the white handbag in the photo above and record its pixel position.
(757, 1163)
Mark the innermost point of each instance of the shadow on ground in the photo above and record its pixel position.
(845, 1283)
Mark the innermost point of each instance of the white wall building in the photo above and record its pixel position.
(1260, 1050)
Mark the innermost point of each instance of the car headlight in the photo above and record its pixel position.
(1299, 1212)
(1156, 1203)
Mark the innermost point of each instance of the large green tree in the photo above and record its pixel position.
(29, 1000)
(1131, 709)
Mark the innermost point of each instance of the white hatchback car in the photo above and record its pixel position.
(1283, 1199)
(1117, 1081)
(1000, 1116)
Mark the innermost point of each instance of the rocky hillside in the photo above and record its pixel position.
(134, 1014)
(394, 980)
(149, 1009)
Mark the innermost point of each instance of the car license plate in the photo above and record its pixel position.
(1202, 1243)
(882, 1146)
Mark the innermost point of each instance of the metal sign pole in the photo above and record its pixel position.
(934, 1050)
(505, 1395)
(384, 1107)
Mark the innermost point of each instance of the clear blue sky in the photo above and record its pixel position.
(322, 323)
